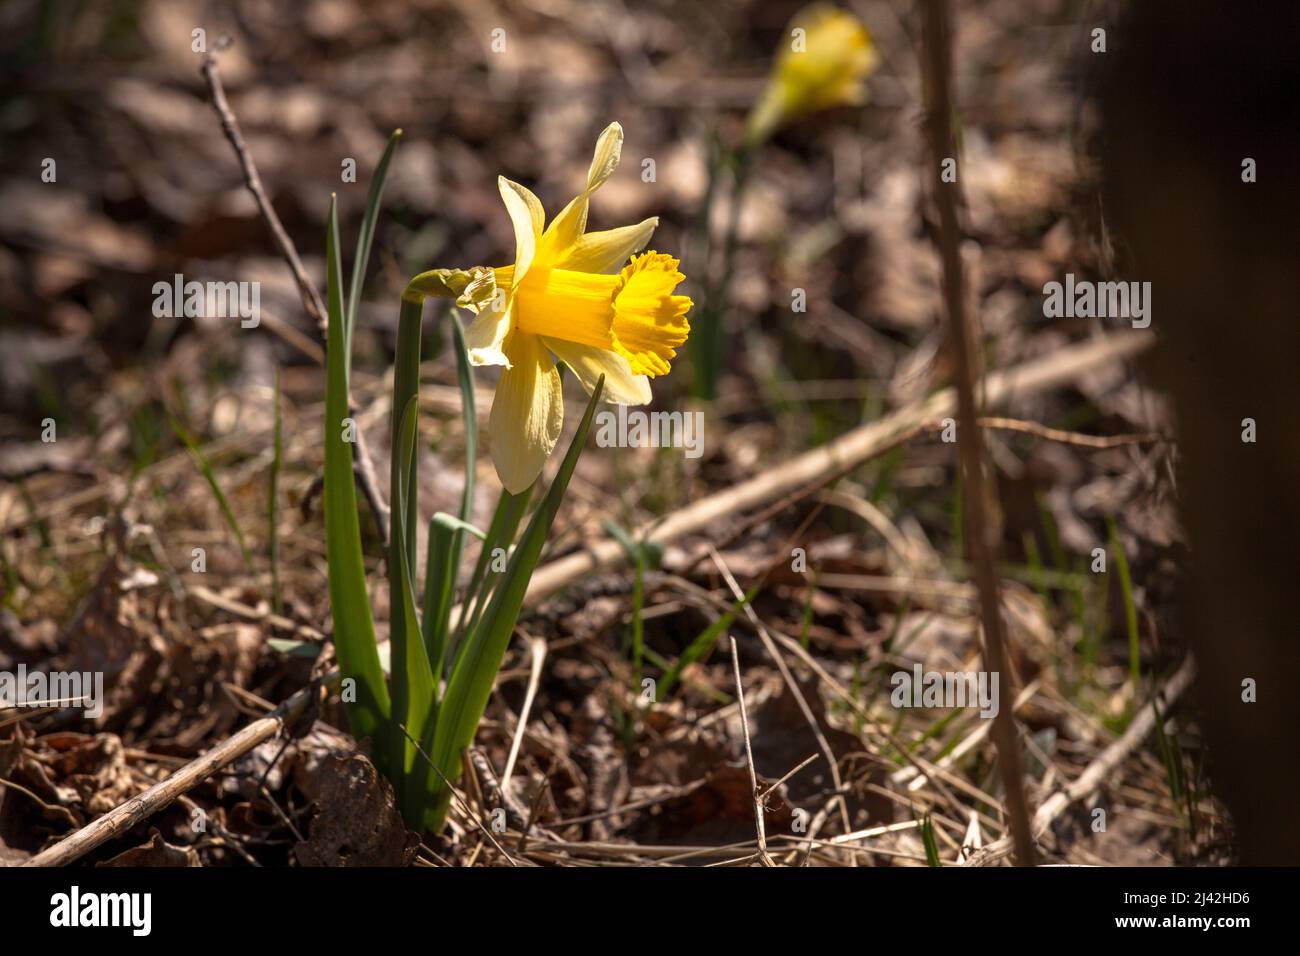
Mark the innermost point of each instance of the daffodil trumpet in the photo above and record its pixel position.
(593, 300)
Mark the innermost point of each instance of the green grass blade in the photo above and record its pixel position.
(354, 631)
(273, 501)
(205, 468)
(636, 557)
(703, 644)
(479, 658)
(931, 845)
(367, 235)
(805, 628)
(1130, 611)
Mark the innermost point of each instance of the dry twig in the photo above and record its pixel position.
(311, 300)
(984, 527)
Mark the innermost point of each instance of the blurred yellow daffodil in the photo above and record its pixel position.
(572, 294)
(825, 64)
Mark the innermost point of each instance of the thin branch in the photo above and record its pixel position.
(1071, 438)
(977, 488)
(139, 808)
(806, 761)
(311, 300)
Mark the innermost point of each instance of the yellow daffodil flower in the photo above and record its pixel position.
(825, 65)
(572, 294)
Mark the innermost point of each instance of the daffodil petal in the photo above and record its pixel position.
(567, 228)
(607, 251)
(535, 210)
(486, 334)
(527, 413)
(524, 209)
(609, 148)
(589, 363)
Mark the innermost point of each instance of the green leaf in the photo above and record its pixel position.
(205, 468)
(354, 631)
(478, 660)
(447, 539)
(1130, 613)
(931, 845)
(439, 582)
(413, 682)
(273, 502)
(403, 494)
(699, 648)
(636, 556)
(367, 234)
(500, 534)
(294, 648)
(454, 524)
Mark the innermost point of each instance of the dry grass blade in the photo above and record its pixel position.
(759, 825)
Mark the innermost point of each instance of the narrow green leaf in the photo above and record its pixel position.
(354, 631)
(273, 501)
(636, 556)
(931, 845)
(439, 583)
(500, 534)
(367, 234)
(1130, 612)
(205, 468)
(403, 496)
(703, 644)
(406, 385)
(469, 416)
(447, 534)
(413, 682)
(452, 523)
(294, 648)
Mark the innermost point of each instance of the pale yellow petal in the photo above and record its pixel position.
(527, 413)
(589, 363)
(535, 210)
(517, 199)
(486, 335)
(609, 147)
(607, 251)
